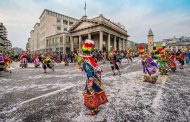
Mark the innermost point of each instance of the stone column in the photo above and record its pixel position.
(80, 43)
(123, 44)
(64, 42)
(114, 43)
(101, 40)
(108, 42)
(89, 36)
(120, 46)
(71, 42)
(126, 45)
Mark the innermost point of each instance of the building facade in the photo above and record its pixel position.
(103, 32)
(51, 23)
(150, 41)
(61, 33)
(5, 44)
(177, 43)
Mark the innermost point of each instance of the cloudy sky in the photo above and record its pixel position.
(167, 18)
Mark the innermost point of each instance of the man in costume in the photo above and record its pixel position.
(47, 62)
(114, 62)
(162, 60)
(149, 69)
(94, 94)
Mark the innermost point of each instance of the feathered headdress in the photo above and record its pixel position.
(141, 48)
(87, 47)
(160, 50)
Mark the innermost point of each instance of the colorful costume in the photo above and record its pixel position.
(181, 59)
(47, 62)
(149, 69)
(36, 61)
(2, 62)
(170, 61)
(162, 60)
(114, 62)
(23, 61)
(187, 57)
(5, 63)
(94, 94)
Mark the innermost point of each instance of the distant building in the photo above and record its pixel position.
(150, 41)
(51, 23)
(17, 51)
(1, 44)
(177, 43)
(5, 44)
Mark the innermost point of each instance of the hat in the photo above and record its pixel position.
(87, 48)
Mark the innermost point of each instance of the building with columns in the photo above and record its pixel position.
(150, 41)
(102, 31)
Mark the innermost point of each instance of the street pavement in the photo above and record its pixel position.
(29, 95)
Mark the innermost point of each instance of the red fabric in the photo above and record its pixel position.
(160, 49)
(93, 101)
(182, 56)
(141, 47)
(92, 61)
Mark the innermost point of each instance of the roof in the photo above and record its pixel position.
(100, 20)
(36, 25)
(46, 10)
(150, 32)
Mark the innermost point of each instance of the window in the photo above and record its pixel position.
(65, 29)
(76, 41)
(70, 23)
(58, 28)
(58, 20)
(67, 40)
(61, 40)
(65, 22)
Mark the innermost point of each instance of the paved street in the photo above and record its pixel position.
(30, 95)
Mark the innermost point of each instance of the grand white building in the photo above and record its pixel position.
(57, 32)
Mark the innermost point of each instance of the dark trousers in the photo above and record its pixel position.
(45, 65)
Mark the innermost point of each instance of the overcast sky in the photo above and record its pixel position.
(167, 18)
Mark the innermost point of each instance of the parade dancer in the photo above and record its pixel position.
(162, 62)
(94, 94)
(36, 61)
(181, 59)
(66, 59)
(113, 62)
(5, 63)
(149, 69)
(47, 62)
(187, 57)
(23, 61)
(170, 60)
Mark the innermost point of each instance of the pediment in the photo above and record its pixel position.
(83, 25)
